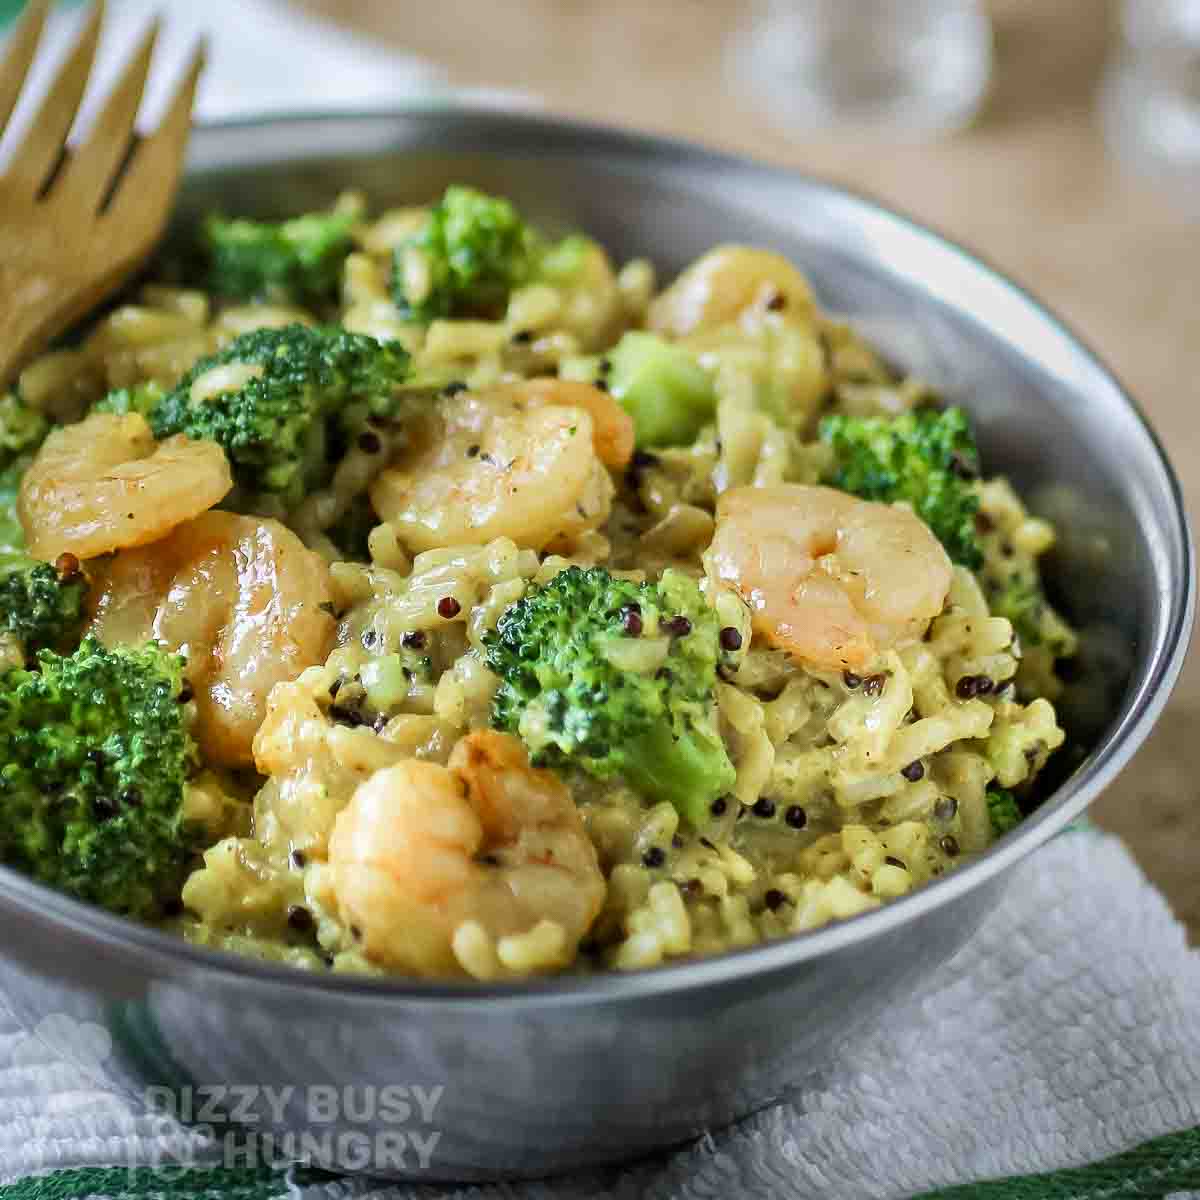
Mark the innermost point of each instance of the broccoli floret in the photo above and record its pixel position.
(1003, 810)
(471, 252)
(141, 400)
(41, 607)
(280, 428)
(925, 457)
(298, 260)
(94, 759)
(662, 386)
(12, 535)
(616, 678)
(22, 429)
(1022, 600)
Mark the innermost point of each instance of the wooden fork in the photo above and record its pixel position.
(75, 223)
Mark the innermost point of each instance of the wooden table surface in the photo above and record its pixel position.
(1031, 186)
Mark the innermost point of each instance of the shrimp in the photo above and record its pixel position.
(727, 284)
(612, 426)
(452, 870)
(241, 598)
(104, 484)
(524, 461)
(830, 578)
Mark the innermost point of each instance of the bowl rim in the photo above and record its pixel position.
(171, 954)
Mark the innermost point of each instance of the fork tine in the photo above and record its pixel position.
(20, 54)
(144, 192)
(86, 177)
(39, 153)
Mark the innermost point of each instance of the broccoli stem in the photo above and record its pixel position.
(668, 394)
(689, 769)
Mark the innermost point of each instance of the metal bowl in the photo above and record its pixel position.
(544, 1076)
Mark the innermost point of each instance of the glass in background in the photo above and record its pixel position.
(897, 68)
(1151, 96)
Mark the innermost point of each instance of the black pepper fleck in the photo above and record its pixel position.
(299, 918)
(970, 686)
(299, 858)
(369, 442)
(654, 857)
(774, 898)
(851, 680)
(66, 566)
(452, 389)
(913, 772)
(962, 468)
(764, 807)
(473, 450)
(949, 845)
(946, 808)
(731, 639)
(795, 816)
(414, 639)
(643, 458)
(522, 337)
(718, 806)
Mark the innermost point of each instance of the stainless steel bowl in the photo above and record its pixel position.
(545, 1076)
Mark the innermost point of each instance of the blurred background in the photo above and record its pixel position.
(1058, 138)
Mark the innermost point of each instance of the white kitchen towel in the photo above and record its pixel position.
(1066, 1032)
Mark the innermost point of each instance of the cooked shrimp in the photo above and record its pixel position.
(828, 577)
(241, 598)
(729, 283)
(451, 870)
(612, 426)
(105, 484)
(523, 461)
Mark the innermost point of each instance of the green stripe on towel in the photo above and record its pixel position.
(191, 1183)
(1154, 1170)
